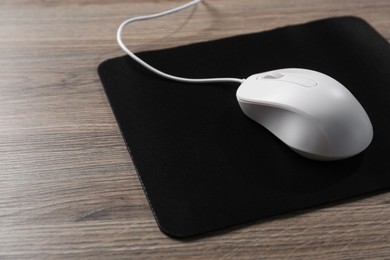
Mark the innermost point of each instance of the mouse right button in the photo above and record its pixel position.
(303, 81)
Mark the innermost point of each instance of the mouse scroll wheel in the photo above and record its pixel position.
(273, 75)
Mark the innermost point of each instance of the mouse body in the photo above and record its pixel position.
(312, 113)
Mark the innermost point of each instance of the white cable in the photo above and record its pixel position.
(163, 74)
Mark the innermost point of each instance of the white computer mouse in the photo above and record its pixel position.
(309, 111)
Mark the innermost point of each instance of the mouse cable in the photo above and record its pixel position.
(149, 67)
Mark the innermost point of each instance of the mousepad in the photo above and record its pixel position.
(205, 166)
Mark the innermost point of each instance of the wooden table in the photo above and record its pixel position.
(68, 188)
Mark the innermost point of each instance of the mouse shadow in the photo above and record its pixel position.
(262, 160)
(262, 163)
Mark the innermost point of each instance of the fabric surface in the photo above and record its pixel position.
(204, 165)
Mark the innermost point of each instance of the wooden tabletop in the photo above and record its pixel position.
(68, 188)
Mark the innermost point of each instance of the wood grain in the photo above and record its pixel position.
(68, 188)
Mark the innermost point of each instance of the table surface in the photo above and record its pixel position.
(68, 188)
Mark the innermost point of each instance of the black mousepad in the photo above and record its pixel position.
(205, 166)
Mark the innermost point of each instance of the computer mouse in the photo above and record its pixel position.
(311, 112)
